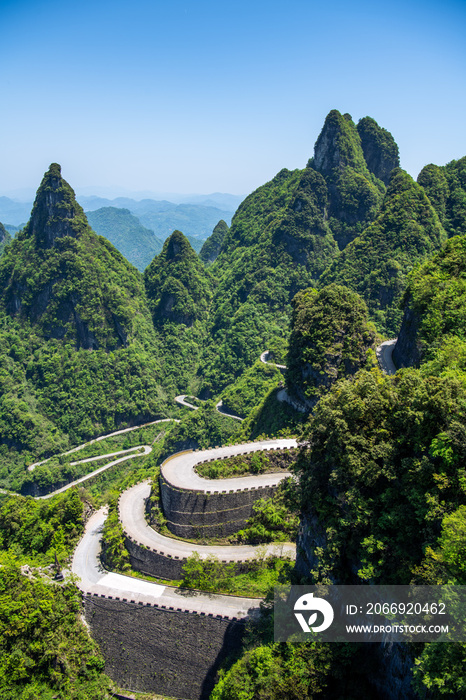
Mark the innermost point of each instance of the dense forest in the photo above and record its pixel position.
(318, 267)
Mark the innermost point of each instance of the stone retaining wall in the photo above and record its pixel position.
(193, 514)
(170, 652)
(154, 563)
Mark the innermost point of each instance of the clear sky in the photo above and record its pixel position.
(201, 96)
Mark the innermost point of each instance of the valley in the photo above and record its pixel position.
(126, 364)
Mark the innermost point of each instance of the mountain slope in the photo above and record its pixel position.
(434, 321)
(377, 262)
(446, 189)
(212, 246)
(286, 233)
(135, 242)
(179, 290)
(78, 347)
(5, 237)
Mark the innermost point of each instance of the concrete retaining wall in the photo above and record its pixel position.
(150, 649)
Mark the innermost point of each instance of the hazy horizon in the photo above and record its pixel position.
(195, 97)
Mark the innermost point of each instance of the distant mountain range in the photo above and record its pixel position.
(139, 228)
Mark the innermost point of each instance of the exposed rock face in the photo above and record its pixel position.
(354, 193)
(55, 213)
(379, 148)
(311, 535)
(407, 351)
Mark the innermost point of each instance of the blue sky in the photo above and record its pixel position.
(206, 96)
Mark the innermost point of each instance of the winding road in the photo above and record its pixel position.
(384, 354)
(95, 580)
(265, 360)
(181, 400)
(179, 471)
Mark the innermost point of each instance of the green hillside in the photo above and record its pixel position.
(135, 242)
(79, 352)
(377, 262)
(179, 292)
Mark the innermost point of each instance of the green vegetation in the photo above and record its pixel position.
(203, 428)
(437, 294)
(355, 194)
(379, 149)
(248, 391)
(179, 290)
(63, 292)
(275, 519)
(376, 264)
(446, 189)
(5, 238)
(381, 451)
(36, 531)
(46, 651)
(298, 672)
(330, 339)
(124, 230)
(252, 463)
(211, 574)
(212, 246)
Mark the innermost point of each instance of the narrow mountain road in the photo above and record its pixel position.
(102, 437)
(181, 400)
(384, 354)
(133, 520)
(178, 469)
(264, 358)
(138, 451)
(94, 580)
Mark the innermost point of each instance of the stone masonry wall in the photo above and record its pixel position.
(193, 514)
(155, 650)
(154, 563)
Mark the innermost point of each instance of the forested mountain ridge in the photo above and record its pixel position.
(212, 246)
(67, 282)
(287, 233)
(376, 263)
(446, 189)
(434, 322)
(64, 291)
(137, 243)
(179, 292)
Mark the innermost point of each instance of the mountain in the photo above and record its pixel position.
(330, 339)
(78, 350)
(4, 237)
(354, 192)
(179, 292)
(287, 233)
(212, 246)
(197, 221)
(377, 262)
(434, 321)
(137, 243)
(446, 189)
(162, 217)
(92, 203)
